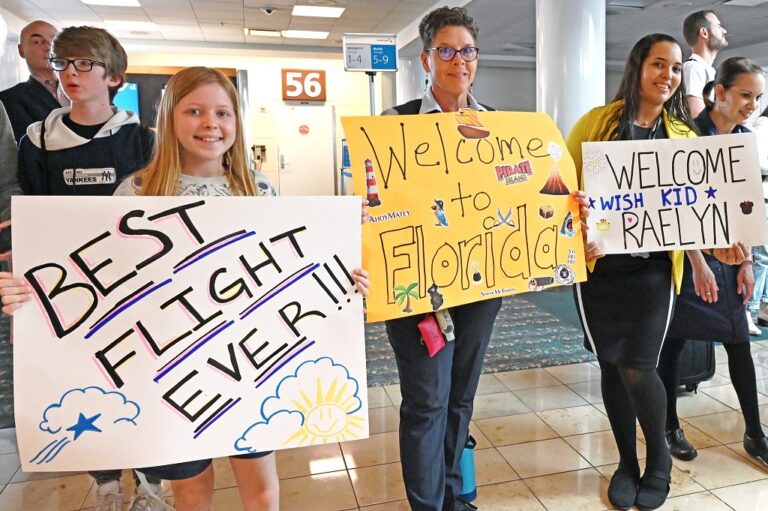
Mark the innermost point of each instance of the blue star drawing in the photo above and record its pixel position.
(711, 192)
(84, 424)
(592, 203)
(77, 412)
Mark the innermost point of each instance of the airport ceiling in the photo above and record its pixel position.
(507, 27)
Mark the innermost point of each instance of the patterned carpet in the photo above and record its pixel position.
(534, 330)
(6, 374)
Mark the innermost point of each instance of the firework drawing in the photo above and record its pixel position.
(595, 163)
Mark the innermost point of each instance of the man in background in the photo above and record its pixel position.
(706, 36)
(33, 100)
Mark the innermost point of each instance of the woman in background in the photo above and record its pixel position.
(713, 307)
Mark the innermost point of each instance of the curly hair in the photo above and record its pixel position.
(445, 17)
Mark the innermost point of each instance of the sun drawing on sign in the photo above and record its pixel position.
(326, 415)
(318, 404)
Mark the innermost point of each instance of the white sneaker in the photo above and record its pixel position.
(762, 316)
(149, 497)
(109, 497)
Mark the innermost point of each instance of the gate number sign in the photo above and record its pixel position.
(370, 52)
(303, 85)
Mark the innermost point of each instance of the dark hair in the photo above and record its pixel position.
(445, 17)
(629, 90)
(706, 92)
(694, 23)
(94, 43)
(728, 71)
(765, 112)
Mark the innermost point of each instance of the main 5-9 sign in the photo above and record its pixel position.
(303, 85)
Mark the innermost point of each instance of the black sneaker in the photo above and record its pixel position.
(679, 446)
(757, 448)
(460, 505)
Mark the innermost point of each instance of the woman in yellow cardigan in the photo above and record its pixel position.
(627, 301)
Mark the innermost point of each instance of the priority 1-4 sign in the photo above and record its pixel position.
(370, 52)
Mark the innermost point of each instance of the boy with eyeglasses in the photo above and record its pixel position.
(87, 149)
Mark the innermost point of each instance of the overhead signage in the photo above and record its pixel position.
(370, 52)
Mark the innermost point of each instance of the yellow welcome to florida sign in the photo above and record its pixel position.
(464, 206)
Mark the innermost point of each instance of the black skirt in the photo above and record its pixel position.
(625, 308)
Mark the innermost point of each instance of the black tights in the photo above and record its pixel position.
(742, 371)
(630, 393)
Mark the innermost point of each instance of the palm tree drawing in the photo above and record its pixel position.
(404, 294)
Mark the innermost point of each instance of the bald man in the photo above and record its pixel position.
(33, 100)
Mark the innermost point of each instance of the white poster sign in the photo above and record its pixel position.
(654, 195)
(169, 329)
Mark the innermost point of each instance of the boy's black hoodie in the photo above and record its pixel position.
(121, 147)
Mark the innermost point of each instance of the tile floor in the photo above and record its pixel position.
(543, 444)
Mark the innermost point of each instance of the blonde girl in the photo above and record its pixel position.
(200, 151)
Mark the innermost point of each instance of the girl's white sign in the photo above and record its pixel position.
(169, 329)
(653, 195)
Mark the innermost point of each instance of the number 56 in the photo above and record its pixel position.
(302, 84)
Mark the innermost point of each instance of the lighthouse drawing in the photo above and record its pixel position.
(372, 191)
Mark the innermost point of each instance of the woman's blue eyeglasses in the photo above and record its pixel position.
(447, 53)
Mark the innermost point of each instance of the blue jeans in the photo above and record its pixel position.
(760, 268)
(438, 393)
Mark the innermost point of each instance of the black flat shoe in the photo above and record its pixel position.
(757, 448)
(679, 446)
(653, 490)
(623, 488)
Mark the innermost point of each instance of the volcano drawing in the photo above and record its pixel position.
(555, 184)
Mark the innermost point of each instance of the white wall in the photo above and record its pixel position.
(12, 68)
(347, 91)
(512, 88)
(506, 88)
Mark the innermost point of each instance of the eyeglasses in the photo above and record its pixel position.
(446, 53)
(82, 65)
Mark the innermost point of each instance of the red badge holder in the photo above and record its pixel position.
(431, 335)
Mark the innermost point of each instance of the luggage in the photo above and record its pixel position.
(697, 364)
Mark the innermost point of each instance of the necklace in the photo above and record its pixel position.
(644, 124)
(647, 123)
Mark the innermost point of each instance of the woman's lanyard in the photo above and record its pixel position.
(651, 136)
(654, 129)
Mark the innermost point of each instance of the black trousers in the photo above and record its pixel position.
(437, 402)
